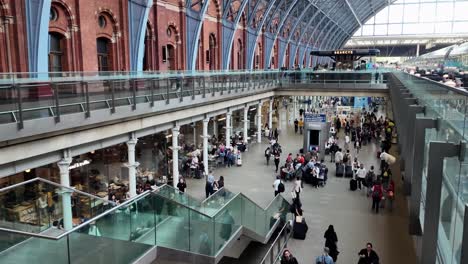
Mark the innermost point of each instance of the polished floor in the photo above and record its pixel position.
(349, 212)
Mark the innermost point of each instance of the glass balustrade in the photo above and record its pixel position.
(29, 96)
(449, 105)
(164, 218)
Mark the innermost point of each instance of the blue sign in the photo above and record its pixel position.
(315, 118)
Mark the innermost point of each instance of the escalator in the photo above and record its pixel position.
(175, 224)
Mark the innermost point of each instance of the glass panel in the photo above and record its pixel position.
(32, 250)
(173, 229)
(396, 14)
(411, 13)
(380, 30)
(427, 12)
(227, 221)
(382, 16)
(394, 29)
(460, 10)
(90, 248)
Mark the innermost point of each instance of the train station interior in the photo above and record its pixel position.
(233, 131)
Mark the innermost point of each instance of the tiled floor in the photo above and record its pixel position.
(334, 204)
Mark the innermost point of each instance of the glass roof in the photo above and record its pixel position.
(418, 17)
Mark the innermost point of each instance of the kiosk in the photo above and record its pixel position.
(315, 133)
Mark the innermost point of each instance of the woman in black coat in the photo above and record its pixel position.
(330, 242)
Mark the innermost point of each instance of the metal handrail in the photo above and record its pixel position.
(183, 205)
(55, 184)
(80, 225)
(226, 204)
(280, 234)
(209, 197)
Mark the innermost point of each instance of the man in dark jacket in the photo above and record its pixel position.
(368, 255)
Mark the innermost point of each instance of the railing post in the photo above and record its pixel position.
(57, 104)
(133, 83)
(112, 96)
(20, 105)
(168, 83)
(180, 85)
(438, 151)
(152, 86)
(88, 105)
(193, 78)
(203, 83)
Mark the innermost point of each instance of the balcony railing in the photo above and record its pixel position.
(27, 96)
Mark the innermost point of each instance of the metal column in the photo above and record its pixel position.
(437, 152)
(64, 165)
(464, 249)
(205, 144)
(413, 110)
(132, 165)
(419, 136)
(175, 156)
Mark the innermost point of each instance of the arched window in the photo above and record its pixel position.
(212, 52)
(240, 52)
(171, 58)
(55, 52)
(103, 54)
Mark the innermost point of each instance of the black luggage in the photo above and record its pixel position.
(300, 229)
(353, 184)
(348, 171)
(327, 151)
(339, 170)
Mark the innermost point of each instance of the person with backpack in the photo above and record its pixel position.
(369, 181)
(377, 194)
(267, 155)
(325, 258)
(278, 185)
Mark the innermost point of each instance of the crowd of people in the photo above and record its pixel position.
(375, 181)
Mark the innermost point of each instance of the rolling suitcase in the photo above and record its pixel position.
(339, 170)
(348, 171)
(353, 184)
(300, 229)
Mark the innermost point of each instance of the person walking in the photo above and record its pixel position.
(209, 184)
(368, 255)
(331, 240)
(361, 176)
(267, 155)
(182, 185)
(377, 194)
(277, 157)
(297, 186)
(325, 258)
(288, 258)
(301, 125)
(278, 186)
(296, 125)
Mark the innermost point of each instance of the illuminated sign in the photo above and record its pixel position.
(79, 164)
(343, 52)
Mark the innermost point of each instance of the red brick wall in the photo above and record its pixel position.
(13, 43)
(77, 22)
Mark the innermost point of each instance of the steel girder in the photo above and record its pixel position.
(253, 33)
(229, 30)
(300, 11)
(271, 38)
(138, 11)
(193, 24)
